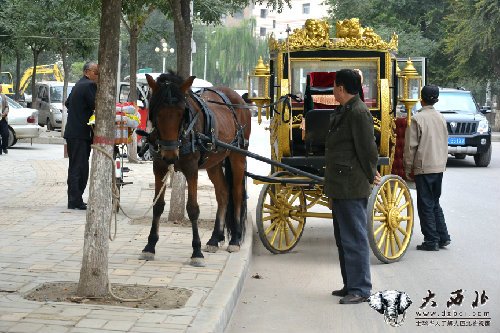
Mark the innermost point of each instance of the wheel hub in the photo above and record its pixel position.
(393, 218)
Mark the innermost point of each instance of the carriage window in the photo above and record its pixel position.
(368, 67)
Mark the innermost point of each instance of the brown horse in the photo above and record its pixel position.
(185, 126)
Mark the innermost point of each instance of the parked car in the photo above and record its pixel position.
(469, 133)
(49, 103)
(22, 122)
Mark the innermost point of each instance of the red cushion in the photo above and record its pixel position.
(397, 164)
(322, 79)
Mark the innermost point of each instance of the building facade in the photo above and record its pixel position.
(269, 21)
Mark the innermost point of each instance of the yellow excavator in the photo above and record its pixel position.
(48, 72)
(7, 84)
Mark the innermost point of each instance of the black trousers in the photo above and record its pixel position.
(78, 169)
(4, 134)
(351, 237)
(430, 213)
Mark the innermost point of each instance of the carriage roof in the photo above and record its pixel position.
(350, 35)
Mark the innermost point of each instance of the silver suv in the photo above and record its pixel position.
(49, 103)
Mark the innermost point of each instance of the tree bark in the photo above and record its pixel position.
(177, 197)
(183, 30)
(94, 271)
(18, 75)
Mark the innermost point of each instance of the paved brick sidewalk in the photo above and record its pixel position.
(41, 241)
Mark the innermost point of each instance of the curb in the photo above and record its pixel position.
(45, 140)
(216, 310)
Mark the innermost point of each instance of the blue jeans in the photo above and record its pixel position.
(351, 237)
(430, 213)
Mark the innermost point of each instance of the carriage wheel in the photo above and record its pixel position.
(278, 225)
(390, 219)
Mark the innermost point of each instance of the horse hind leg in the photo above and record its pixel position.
(236, 209)
(217, 177)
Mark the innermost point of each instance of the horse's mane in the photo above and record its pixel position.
(169, 93)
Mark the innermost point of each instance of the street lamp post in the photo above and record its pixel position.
(164, 51)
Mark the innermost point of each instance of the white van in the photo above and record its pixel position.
(49, 103)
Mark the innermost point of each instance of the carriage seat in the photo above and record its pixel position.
(317, 124)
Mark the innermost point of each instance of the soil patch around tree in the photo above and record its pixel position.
(148, 297)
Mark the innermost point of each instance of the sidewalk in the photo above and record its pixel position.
(41, 241)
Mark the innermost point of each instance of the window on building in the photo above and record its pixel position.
(274, 24)
(263, 13)
(306, 8)
(263, 32)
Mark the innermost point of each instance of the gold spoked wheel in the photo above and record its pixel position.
(390, 219)
(278, 219)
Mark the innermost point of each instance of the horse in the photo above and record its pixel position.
(182, 122)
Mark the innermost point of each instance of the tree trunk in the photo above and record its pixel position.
(66, 69)
(134, 37)
(18, 75)
(181, 13)
(177, 197)
(94, 272)
(36, 53)
(183, 30)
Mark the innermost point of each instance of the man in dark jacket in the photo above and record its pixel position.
(78, 135)
(351, 159)
(4, 126)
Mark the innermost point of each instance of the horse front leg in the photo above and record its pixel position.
(237, 226)
(216, 175)
(193, 211)
(160, 170)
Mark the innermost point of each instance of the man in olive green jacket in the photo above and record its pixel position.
(351, 159)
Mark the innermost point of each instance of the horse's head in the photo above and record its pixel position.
(167, 107)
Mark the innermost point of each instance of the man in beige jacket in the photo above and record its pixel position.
(426, 153)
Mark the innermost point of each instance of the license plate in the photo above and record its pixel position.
(456, 141)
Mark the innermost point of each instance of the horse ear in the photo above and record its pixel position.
(187, 84)
(151, 82)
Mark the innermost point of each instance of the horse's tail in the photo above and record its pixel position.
(230, 222)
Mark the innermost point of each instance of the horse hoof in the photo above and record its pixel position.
(211, 248)
(197, 262)
(233, 248)
(147, 256)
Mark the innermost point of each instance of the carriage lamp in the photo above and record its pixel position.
(258, 87)
(410, 84)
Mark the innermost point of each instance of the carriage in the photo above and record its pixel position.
(210, 129)
(303, 65)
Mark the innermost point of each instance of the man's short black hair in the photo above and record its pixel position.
(349, 79)
(430, 94)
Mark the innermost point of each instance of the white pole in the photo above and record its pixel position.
(163, 64)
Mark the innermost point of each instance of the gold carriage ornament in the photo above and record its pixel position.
(258, 87)
(409, 86)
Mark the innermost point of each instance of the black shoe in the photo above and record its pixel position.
(428, 247)
(82, 206)
(444, 244)
(353, 299)
(341, 292)
(5, 151)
